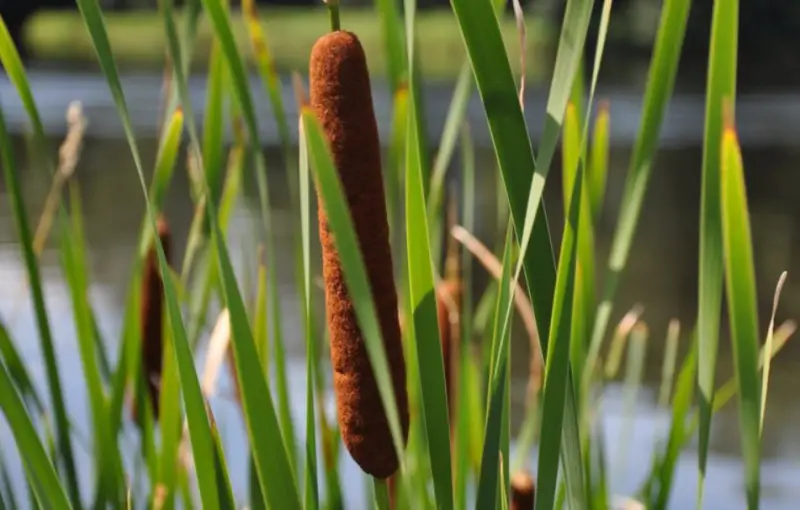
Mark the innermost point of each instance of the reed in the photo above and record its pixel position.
(341, 97)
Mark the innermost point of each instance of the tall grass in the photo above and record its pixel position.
(440, 464)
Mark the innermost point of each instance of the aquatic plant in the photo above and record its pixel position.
(341, 97)
(425, 410)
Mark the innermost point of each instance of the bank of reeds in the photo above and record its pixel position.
(427, 407)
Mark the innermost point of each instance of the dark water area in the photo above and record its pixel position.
(661, 274)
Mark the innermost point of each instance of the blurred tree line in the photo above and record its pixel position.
(769, 29)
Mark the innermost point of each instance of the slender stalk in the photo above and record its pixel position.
(333, 10)
(381, 494)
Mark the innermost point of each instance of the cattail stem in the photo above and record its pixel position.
(333, 11)
(381, 494)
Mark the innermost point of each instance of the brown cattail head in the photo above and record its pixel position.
(523, 491)
(341, 97)
(152, 314)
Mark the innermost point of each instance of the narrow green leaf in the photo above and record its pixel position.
(556, 378)
(681, 403)
(426, 331)
(721, 86)
(170, 423)
(668, 365)
(312, 490)
(487, 492)
(660, 82)
(220, 20)
(108, 462)
(273, 453)
(18, 371)
(199, 429)
(213, 125)
(14, 69)
(598, 159)
(740, 283)
(44, 477)
(397, 69)
(464, 424)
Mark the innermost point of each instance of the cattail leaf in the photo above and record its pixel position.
(269, 76)
(8, 489)
(199, 429)
(40, 470)
(462, 460)
(191, 18)
(584, 305)
(740, 283)
(598, 159)
(14, 69)
(221, 23)
(658, 91)
(451, 132)
(341, 224)
(669, 362)
(213, 126)
(39, 467)
(19, 373)
(435, 416)
(273, 449)
(393, 41)
(487, 492)
(163, 172)
(556, 378)
(426, 330)
(395, 170)
(108, 463)
(311, 484)
(664, 471)
(170, 424)
(721, 86)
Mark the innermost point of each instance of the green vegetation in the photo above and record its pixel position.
(449, 460)
(139, 41)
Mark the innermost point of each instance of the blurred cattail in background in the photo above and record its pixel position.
(523, 491)
(152, 315)
(341, 97)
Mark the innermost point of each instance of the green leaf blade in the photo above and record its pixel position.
(741, 297)
(721, 87)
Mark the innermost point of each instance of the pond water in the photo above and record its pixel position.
(661, 274)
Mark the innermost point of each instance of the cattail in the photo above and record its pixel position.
(341, 97)
(523, 491)
(152, 300)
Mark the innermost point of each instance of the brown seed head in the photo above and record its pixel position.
(341, 97)
(523, 491)
(152, 300)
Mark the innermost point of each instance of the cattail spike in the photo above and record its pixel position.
(152, 300)
(341, 97)
(523, 491)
